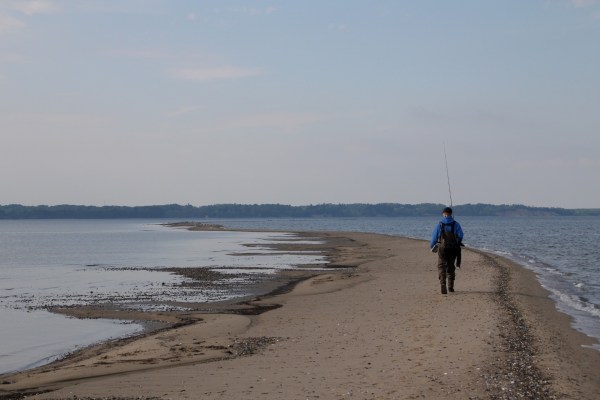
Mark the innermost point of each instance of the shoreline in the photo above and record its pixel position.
(558, 348)
(506, 327)
(155, 322)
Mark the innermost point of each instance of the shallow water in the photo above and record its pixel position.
(38, 337)
(77, 262)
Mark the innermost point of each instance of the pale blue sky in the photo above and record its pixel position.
(137, 102)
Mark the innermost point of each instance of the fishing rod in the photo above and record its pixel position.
(447, 174)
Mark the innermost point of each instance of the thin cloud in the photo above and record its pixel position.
(252, 10)
(257, 11)
(32, 7)
(337, 27)
(10, 24)
(280, 120)
(222, 14)
(215, 73)
(48, 120)
(559, 162)
(185, 110)
(583, 3)
(589, 162)
(12, 59)
(137, 7)
(137, 53)
(164, 54)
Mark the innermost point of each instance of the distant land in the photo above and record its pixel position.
(172, 211)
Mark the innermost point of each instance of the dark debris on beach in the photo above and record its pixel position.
(26, 395)
(248, 346)
(202, 277)
(514, 375)
(240, 348)
(111, 398)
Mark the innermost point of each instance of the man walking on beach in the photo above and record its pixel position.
(446, 240)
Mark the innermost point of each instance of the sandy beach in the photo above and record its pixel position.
(374, 327)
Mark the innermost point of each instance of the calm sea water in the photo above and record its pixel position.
(64, 262)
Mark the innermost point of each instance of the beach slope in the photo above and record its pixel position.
(381, 330)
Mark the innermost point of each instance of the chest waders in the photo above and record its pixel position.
(449, 248)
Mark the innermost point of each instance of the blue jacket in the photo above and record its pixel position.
(435, 236)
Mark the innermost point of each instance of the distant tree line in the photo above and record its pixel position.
(16, 211)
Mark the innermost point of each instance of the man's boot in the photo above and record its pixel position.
(451, 285)
(444, 291)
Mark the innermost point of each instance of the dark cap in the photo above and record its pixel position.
(447, 210)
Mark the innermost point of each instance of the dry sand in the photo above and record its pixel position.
(380, 331)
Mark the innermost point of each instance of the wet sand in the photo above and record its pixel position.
(380, 330)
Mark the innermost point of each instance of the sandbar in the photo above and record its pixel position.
(374, 327)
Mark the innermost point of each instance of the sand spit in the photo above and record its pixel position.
(380, 330)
